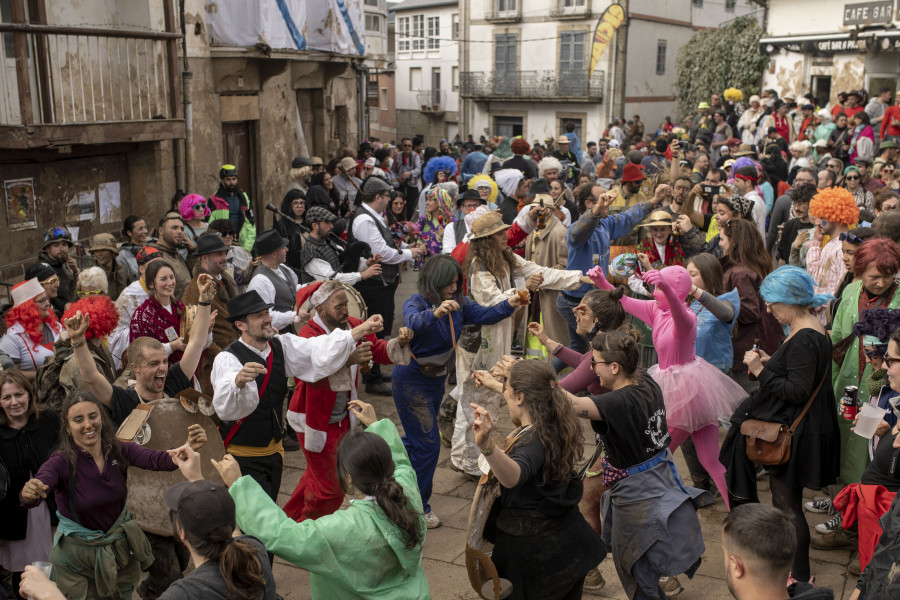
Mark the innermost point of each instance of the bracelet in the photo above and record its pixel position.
(81, 343)
(204, 303)
(490, 450)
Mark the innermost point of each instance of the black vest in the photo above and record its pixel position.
(388, 272)
(285, 291)
(265, 423)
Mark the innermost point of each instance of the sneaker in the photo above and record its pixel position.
(432, 521)
(377, 388)
(830, 525)
(289, 442)
(594, 580)
(821, 506)
(671, 586)
(517, 347)
(836, 540)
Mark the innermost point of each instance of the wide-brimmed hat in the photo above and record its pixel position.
(104, 241)
(632, 172)
(25, 291)
(563, 140)
(348, 163)
(887, 144)
(703, 105)
(660, 218)
(316, 161)
(207, 244)
(488, 224)
(744, 150)
(268, 242)
(470, 195)
(245, 304)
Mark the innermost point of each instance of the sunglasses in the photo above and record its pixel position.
(199, 206)
(851, 177)
(875, 352)
(595, 362)
(849, 237)
(86, 293)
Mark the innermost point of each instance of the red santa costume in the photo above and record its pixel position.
(318, 412)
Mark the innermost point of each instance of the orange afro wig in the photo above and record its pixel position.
(103, 314)
(28, 314)
(835, 205)
(520, 146)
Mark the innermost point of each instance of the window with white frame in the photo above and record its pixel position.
(506, 6)
(403, 34)
(454, 26)
(418, 32)
(434, 32)
(373, 23)
(415, 79)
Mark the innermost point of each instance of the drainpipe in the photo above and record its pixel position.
(362, 80)
(186, 77)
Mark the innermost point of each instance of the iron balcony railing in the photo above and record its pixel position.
(530, 85)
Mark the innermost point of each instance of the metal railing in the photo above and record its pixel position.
(563, 9)
(431, 100)
(67, 75)
(527, 85)
(503, 10)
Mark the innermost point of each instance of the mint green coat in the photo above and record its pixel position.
(355, 553)
(854, 449)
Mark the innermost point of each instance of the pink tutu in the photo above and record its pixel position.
(696, 394)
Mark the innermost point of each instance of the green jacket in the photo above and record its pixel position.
(353, 553)
(854, 449)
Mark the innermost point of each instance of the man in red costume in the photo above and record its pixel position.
(318, 411)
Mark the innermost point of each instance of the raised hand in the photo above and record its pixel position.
(77, 325)
(196, 437)
(228, 469)
(485, 379)
(187, 461)
(362, 354)
(599, 279)
(653, 277)
(207, 286)
(482, 426)
(536, 329)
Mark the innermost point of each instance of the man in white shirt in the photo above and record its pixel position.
(275, 282)
(319, 260)
(454, 234)
(745, 180)
(250, 382)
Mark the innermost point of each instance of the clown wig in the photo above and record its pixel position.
(439, 163)
(104, 316)
(28, 315)
(494, 189)
(186, 206)
(835, 205)
(519, 146)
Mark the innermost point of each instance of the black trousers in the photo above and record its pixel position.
(379, 299)
(266, 471)
(412, 200)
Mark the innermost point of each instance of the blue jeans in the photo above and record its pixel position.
(576, 342)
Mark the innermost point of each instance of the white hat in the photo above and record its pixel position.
(25, 291)
(821, 144)
(370, 162)
(615, 143)
(482, 183)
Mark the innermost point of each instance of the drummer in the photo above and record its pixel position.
(318, 410)
(250, 380)
(320, 261)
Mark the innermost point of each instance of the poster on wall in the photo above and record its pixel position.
(81, 207)
(20, 204)
(110, 202)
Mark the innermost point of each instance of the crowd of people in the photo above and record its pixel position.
(735, 273)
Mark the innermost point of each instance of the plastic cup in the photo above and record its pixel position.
(45, 567)
(870, 416)
(519, 283)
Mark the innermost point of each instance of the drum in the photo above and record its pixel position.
(355, 305)
(161, 425)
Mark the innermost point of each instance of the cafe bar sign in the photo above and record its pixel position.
(869, 13)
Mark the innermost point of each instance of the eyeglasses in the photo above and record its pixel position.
(45, 301)
(846, 236)
(595, 362)
(199, 206)
(851, 177)
(890, 361)
(86, 293)
(51, 281)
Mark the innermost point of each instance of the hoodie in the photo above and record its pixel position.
(357, 553)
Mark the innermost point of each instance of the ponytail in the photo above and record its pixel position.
(237, 559)
(366, 459)
(390, 497)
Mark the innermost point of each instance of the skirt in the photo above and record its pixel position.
(696, 394)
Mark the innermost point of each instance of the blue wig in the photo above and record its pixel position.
(792, 285)
(439, 163)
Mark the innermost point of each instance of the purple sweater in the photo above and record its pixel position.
(583, 377)
(99, 497)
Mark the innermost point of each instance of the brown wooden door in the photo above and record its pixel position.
(238, 149)
(307, 107)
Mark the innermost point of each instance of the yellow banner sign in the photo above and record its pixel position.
(606, 28)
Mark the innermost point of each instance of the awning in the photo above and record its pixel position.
(833, 43)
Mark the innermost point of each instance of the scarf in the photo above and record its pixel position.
(152, 320)
(674, 253)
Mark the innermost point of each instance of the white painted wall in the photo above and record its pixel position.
(796, 17)
(445, 58)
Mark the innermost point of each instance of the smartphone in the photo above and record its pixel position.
(709, 190)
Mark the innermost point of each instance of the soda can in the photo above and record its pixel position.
(850, 402)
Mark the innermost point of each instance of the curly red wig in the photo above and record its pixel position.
(519, 146)
(878, 251)
(28, 315)
(103, 313)
(836, 205)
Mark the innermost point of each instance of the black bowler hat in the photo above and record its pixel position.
(301, 161)
(268, 242)
(207, 244)
(469, 195)
(539, 185)
(245, 304)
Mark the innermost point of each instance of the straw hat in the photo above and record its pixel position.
(563, 140)
(486, 225)
(660, 218)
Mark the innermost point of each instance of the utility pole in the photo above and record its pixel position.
(621, 54)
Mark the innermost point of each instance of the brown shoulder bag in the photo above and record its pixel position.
(770, 443)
